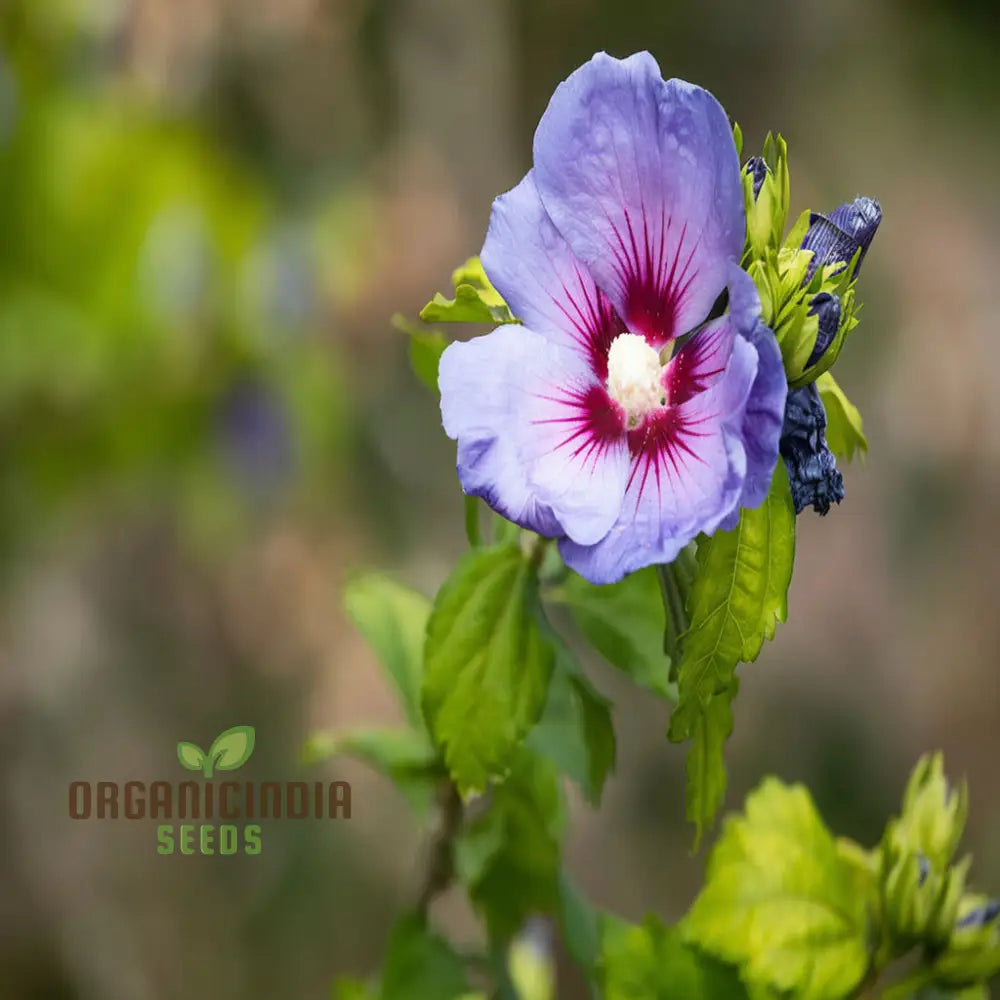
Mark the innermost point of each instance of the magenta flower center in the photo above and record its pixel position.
(635, 377)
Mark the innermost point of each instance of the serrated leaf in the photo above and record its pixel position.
(393, 619)
(421, 965)
(191, 756)
(575, 731)
(705, 767)
(653, 962)
(737, 599)
(625, 622)
(232, 749)
(509, 858)
(781, 903)
(487, 664)
(845, 432)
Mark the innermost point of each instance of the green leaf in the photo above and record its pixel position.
(737, 599)
(426, 348)
(350, 988)
(653, 962)
(472, 532)
(475, 301)
(705, 767)
(845, 433)
(191, 756)
(425, 356)
(782, 903)
(487, 664)
(232, 748)
(393, 619)
(575, 731)
(580, 925)
(976, 992)
(405, 756)
(509, 858)
(625, 622)
(421, 965)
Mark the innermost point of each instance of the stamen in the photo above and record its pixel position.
(635, 377)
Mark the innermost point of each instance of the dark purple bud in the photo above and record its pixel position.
(827, 308)
(860, 219)
(812, 468)
(924, 868)
(758, 170)
(835, 240)
(981, 915)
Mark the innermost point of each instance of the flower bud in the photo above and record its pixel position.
(837, 238)
(766, 194)
(758, 170)
(812, 468)
(826, 308)
(920, 901)
(973, 948)
(933, 816)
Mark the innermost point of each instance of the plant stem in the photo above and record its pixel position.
(441, 854)
(537, 552)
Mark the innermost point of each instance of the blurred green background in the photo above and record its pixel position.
(209, 210)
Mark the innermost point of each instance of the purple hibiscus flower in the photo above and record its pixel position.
(588, 423)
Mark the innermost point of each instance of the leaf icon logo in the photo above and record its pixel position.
(230, 749)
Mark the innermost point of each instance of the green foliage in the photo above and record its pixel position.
(576, 731)
(922, 891)
(625, 622)
(421, 965)
(509, 858)
(487, 664)
(405, 756)
(845, 432)
(782, 903)
(736, 601)
(580, 926)
(426, 348)
(654, 962)
(475, 301)
(767, 213)
(705, 766)
(393, 619)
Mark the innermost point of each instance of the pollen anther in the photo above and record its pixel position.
(635, 377)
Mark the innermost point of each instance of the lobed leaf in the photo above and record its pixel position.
(782, 903)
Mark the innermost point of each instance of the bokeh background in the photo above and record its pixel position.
(209, 211)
